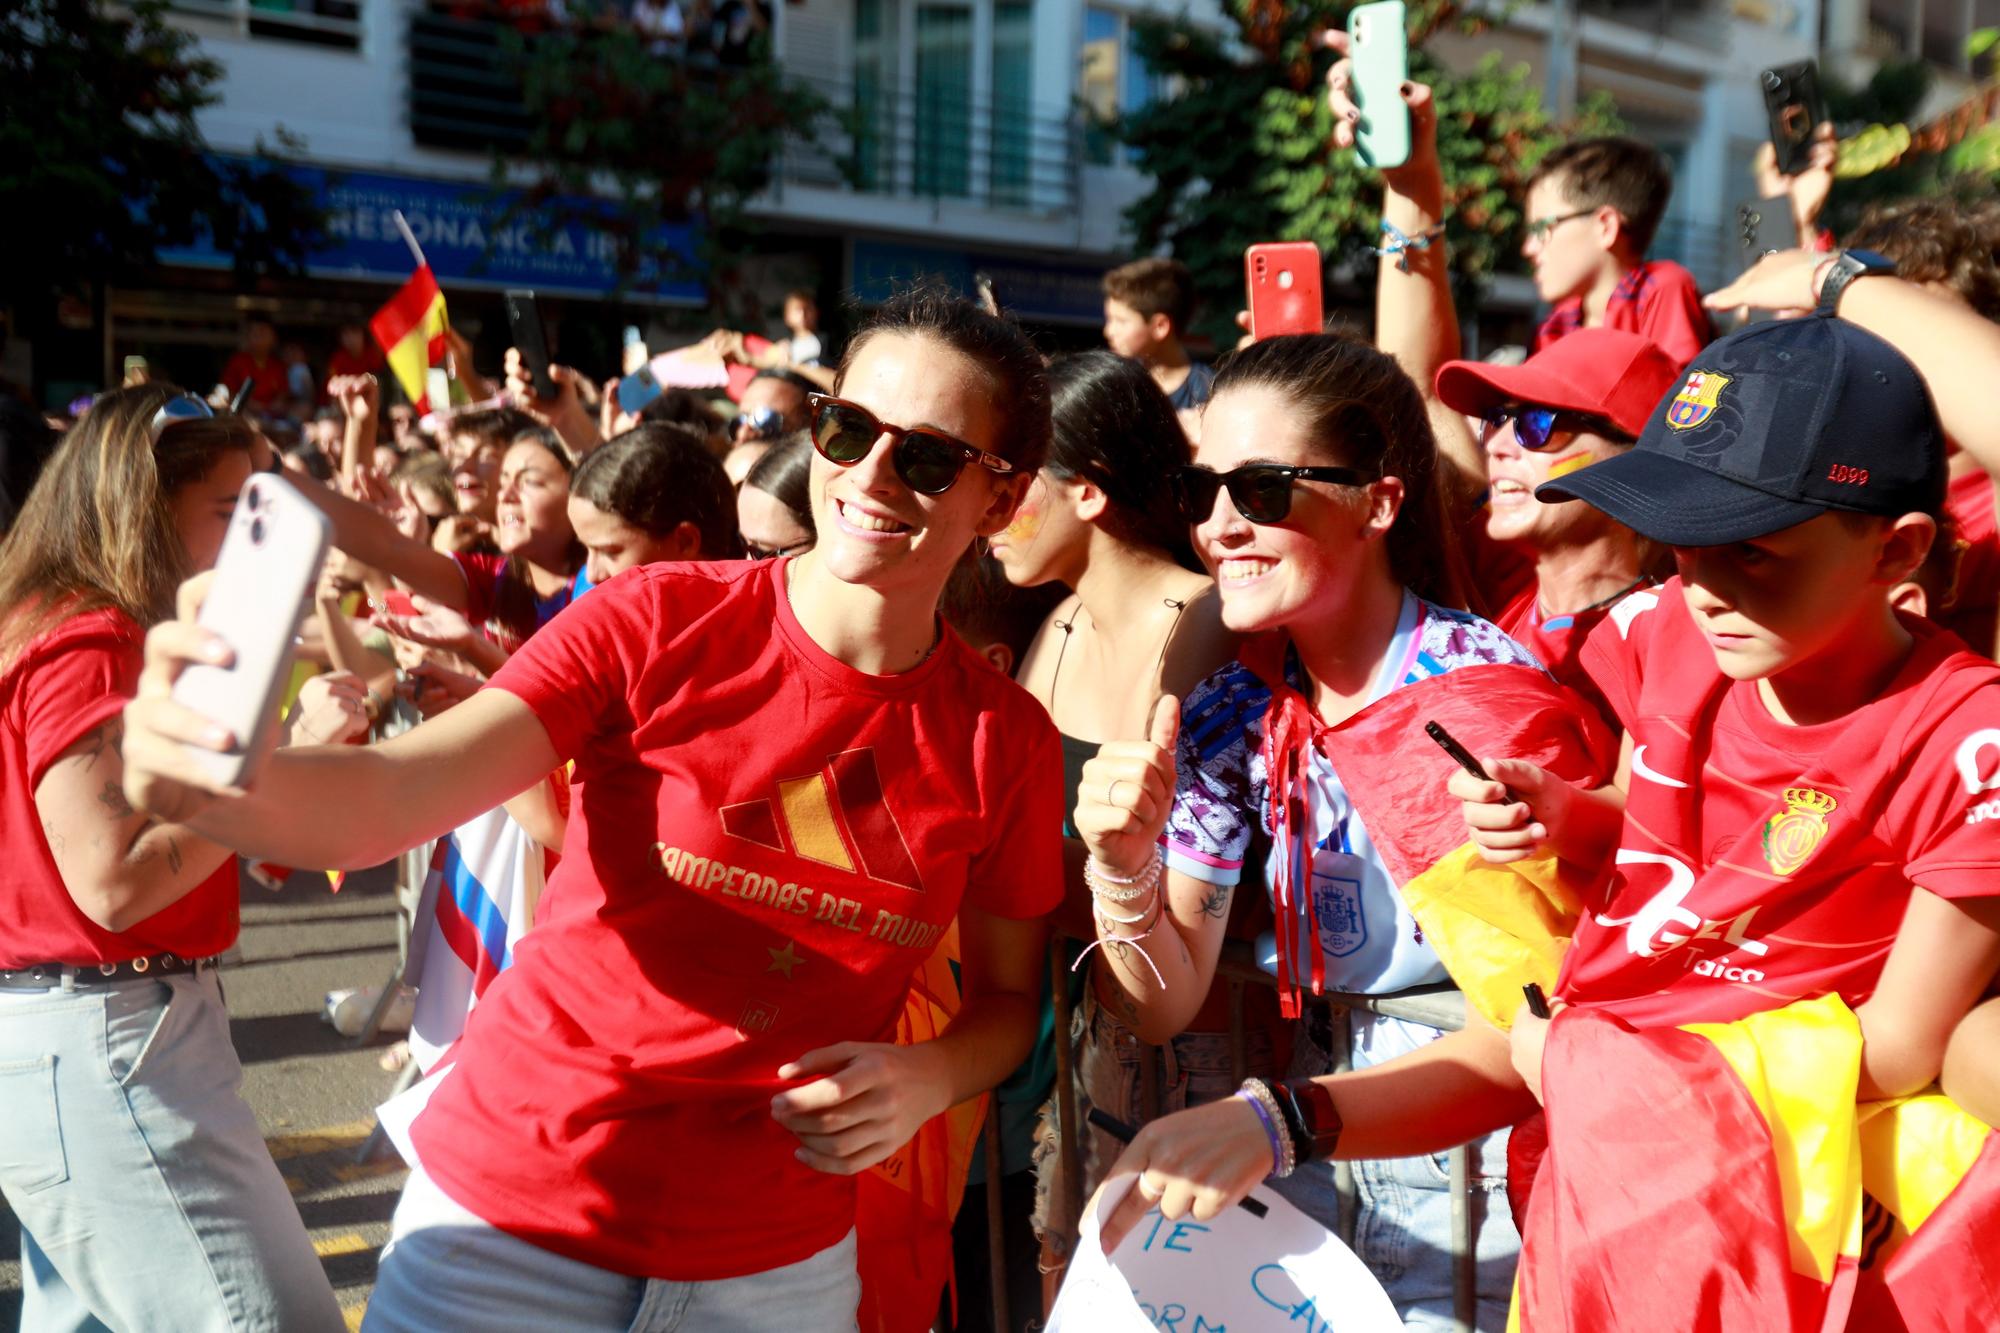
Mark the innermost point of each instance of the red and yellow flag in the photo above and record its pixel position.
(411, 330)
(1494, 927)
(1719, 1176)
(905, 1205)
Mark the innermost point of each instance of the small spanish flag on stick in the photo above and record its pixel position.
(411, 329)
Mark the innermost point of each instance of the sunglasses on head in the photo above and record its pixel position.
(1261, 492)
(1534, 427)
(927, 460)
(176, 411)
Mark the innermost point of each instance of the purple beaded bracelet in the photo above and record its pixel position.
(1270, 1130)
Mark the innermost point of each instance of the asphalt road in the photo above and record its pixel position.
(314, 1091)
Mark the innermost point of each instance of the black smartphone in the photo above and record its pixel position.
(531, 340)
(1792, 101)
(1538, 1003)
(1460, 755)
(1764, 226)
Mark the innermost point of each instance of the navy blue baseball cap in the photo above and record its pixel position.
(1769, 427)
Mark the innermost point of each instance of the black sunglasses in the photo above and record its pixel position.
(1534, 427)
(755, 552)
(1261, 492)
(927, 460)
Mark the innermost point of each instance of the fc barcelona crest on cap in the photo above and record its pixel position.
(1695, 403)
(1789, 838)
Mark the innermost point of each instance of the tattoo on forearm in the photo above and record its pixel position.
(112, 798)
(1216, 905)
(57, 844)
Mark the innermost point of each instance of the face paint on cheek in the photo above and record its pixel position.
(1027, 524)
(1569, 463)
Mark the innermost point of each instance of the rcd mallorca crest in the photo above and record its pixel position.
(1695, 403)
(1789, 837)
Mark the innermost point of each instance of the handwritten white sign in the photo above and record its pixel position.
(1237, 1273)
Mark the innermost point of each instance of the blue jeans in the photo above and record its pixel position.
(445, 1268)
(145, 1194)
(1402, 1228)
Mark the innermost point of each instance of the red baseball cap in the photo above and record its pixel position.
(1610, 374)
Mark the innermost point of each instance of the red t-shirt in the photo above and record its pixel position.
(1970, 605)
(267, 378)
(1658, 300)
(485, 572)
(64, 685)
(1761, 863)
(1557, 641)
(766, 843)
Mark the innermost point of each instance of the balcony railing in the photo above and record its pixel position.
(464, 90)
(940, 145)
(334, 23)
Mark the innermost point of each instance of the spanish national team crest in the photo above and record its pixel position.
(1695, 403)
(1789, 838)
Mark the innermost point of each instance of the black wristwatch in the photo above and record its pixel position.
(1847, 267)
(1310, 1113)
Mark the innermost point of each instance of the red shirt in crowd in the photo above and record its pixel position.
(63, 686)
(267, 378)
(765, 844)
(1557, 641)
(485, 576)
(1658, 300)
(1761, 863)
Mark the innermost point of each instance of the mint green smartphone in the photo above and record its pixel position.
(1378, 45)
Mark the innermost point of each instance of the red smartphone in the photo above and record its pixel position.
(398, 603)
(1281, 279)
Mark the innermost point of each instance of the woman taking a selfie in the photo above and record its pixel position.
(145, 1195)
(793, 779)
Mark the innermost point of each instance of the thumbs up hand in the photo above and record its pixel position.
(1127, 791)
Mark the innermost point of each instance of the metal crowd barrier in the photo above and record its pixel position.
(1440, 1007)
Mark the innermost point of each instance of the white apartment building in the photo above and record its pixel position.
(969, 151)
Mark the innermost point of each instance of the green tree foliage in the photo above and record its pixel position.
(101, 161)
(670, 140)
(1241, 153)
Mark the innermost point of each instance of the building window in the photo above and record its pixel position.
(944, 100)
(1114, 80)
(334, 23)
(1012, 119)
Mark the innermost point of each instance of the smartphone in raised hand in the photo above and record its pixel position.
(1281, 282)
(1793, 103)
(1378, 46)
(268, 569)
(531, 340)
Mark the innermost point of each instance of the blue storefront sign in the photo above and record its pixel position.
(470, 239)
(1029, 289)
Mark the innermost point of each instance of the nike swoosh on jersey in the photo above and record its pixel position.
(1640, 769)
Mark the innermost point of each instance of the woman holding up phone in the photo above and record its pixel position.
(793, 778)
(145, 1196)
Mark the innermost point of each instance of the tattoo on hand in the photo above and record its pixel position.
(1216, 905)
(113, 799)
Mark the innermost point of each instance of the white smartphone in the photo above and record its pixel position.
(270, 561)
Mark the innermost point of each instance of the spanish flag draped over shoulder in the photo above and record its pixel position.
(904, 1206)
(411, 330)
(1719, 1176)
(1495, 927)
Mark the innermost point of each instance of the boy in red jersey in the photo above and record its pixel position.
(1592, 208)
